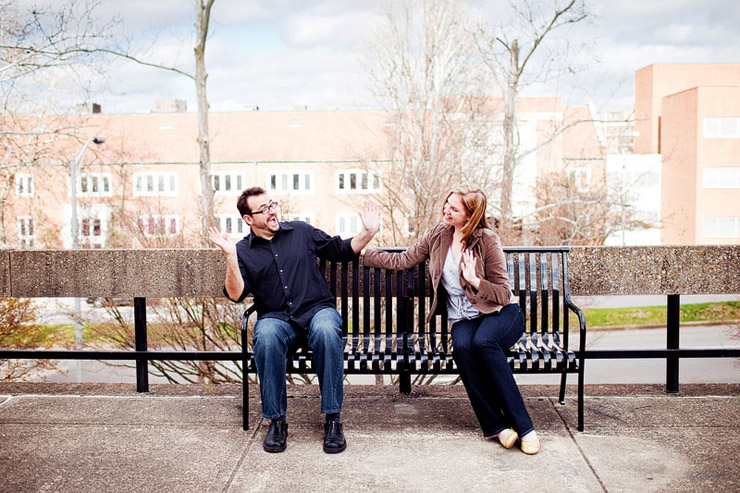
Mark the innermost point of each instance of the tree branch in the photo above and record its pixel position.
(59, 55)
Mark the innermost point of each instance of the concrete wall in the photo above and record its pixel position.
(200, 272)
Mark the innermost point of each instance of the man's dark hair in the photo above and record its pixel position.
(241, 204)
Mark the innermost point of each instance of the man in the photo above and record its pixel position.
(276, 262)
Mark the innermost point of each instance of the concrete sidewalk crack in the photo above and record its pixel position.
(578, 446)
(243, 456)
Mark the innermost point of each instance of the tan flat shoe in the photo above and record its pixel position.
(510, 439)
(531, 447)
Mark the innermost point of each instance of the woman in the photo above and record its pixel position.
(466, 258)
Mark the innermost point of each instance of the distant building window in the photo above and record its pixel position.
(290, 182)
(721, 227)
(94, 185)
(164, 225)
(307, 218)
(581, 178)
(358, 181)
(93, 228)
(725, 177)
(233, 225)
(26, 234)
(228, 182)
(24, 185)
(348, 225)
(722, 128)
(155, 184)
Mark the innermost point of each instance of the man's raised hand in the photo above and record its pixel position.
(221, 240)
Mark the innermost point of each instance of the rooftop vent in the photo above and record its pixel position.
(171, 106)
(87, 108)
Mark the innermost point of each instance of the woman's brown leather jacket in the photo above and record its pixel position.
(490, 265)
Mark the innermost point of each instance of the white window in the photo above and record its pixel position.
(228, 182)
(307, 218)
(94, 185)
(93, 222)
(24, 185)
(26, 234)
(290, 182)
(93, 226)
(721, 227)
(581, 178)
(233, 225)
(155, 184)
(726, 177)
(348, 225)
(156, 225)
(358, 181)
(722, 128)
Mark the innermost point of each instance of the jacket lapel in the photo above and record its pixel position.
(445, 240)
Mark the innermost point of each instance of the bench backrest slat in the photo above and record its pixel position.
(385, 311)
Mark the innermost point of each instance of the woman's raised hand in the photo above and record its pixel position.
(468, 268)
(370, 217)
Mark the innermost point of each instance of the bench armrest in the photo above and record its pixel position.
(245, 320)
(581, 322)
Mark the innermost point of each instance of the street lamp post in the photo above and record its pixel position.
(74, 168)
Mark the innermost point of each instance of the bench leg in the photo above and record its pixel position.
(580, 394)
(245, 400)
(562, 388)
(404, 382)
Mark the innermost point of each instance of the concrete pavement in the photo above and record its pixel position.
(105, 437)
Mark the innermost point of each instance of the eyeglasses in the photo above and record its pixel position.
(264, 209)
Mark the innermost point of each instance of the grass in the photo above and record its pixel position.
(63, 335)
(656, 315)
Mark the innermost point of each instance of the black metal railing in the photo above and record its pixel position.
(672, 353)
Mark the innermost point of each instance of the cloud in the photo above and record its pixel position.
(324, 26)
(276, 53)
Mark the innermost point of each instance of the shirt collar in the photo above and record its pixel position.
(283, 227)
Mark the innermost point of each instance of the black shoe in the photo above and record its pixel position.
(276, 437)
(334, 441)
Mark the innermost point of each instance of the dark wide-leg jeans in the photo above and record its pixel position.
(478, 350)
(274, 338)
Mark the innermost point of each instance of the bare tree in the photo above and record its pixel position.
(18, 330)
(510, 52)
(581, 212)
(37, 48)
(203, 17)
(68, 41)
(185, 324)
(422, 66)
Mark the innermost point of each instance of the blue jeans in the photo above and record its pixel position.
(478, 350)
(274, 338)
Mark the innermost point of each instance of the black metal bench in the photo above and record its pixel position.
(384, 312)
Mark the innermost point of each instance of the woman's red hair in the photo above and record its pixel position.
(475, 203)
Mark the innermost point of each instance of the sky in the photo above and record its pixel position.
(276, 54)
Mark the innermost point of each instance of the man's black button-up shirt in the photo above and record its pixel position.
(283, 274)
